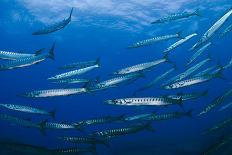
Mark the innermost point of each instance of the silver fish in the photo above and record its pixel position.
(75, 150)
(178, 43)
(55, 92)
(51, 125)
(217, 101)
(154, 40)
(137, 117)
(19, 63)
(27, 109)
(74, 72)
(198, 53)
(221, 125)
(177, 16)
(80, 64)
(225, 106)
(192, 81)
(226, 31)
(70, 81)
(228, 65)
(15, 55)
(208, 70)
(212, 30)
(187, 73)
(54, 27)
(188, 96)
(142, 67)
(147, 101)
(155, 81)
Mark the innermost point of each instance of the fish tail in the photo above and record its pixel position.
(180, 34)
(51, 52)
(168, 60)
(39, 51)
(79, 127)
(70, 15)
(149, 127)
(53, 113)
(197, 12)
(42, 127)
(219, 74)
(98, 61)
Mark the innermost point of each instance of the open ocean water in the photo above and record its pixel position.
(103, 30)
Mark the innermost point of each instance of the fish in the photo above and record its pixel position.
(167, 116)
(85, 140)
(208, 70)
(24, 148)
(102, 120)
(75, 150)
(114, 82)
(188, 72)
(80, 64)
(54, 92)
(54, 27)
(74, 72)
(198, 53)
(212, 30)
(188, 96)
(138, 117)
(28, 109)
(19, 121)
(142, 67)
(16, 55)
(123, 131)
(228, 65)
(155, 40)
(70, 81)
(178, 43)
(146, 101)
(56, 126)
(24, 62)
(221, 125)
(192, 81)
(226, 31)
(176, 16)
(225, 106)
(155, 81)
(216, 102)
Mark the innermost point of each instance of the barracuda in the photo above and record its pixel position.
(50, 125)
(155, 81)
(70, 81)
(137, 117)
(212, 30)
(19, 63)
(75, 150)
(227, 30)
(15, 56)
(225, 106)
(123, 131)
(142, 67)
(27, 109)
(80, 64)
(189, 96)
(187, 73)
(178, 43)
(173, 115)
(177, 16)
(198, 53)
(85, 140)
(54, 27)
(221, 125)
(208, 70)
(74, 72)
(193, 81)
(217, 101)
(154, 40)
(102, 120)
(148, 101)
(55, 92)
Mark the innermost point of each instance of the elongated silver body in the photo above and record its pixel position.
(198, 53)
(82, 64)
(74, 150)
(226, 31)
(191, 81)
(28, 61)
(141, 67)
(207, 70)
(217, 101)
(70, 81)
(212, 30)
(176, 16)
(14, 55)
(180, 42)
(137, 117)
(54, 27)
(229, 105)
(188, 96)
(147, 101)
(154, 40)
(25, 109)
(55, 92)
(228, 65)
(188, 72)
(52, 125)
(155, 81)
(74, 72)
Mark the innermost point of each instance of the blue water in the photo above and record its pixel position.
(104, 29)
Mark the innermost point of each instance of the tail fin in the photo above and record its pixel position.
(98, 61)
(197, 13)
(219, 74)
(42, 127)
(149, 127)
(79, 126)
(70, 15)
(53, 113)
(180, 34)
(168, 60)
(51, 52)
(39, 51)
(189, 113)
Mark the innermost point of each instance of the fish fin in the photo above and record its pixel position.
(149, 127)
(219, 74)
(98, 61)
(53, 113)
(79, 127)
(197, 13)
(51, 52)
(39, 51)
(70, 15)
(180, 34)
(180, 101)
(168, 60)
